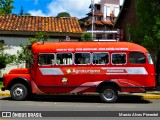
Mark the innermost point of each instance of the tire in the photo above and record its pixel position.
(19, 92)
(108, 94)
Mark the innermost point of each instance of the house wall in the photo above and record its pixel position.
(17, 41)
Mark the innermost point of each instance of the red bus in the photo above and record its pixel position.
(81, 67)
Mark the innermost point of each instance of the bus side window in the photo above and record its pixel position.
(46, 59)
(119, 58)
(137, 58)
(64, 59)
(100, 58)
(82, 58)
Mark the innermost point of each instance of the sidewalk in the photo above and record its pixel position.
(148, 95)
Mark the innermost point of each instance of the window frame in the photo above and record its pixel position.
(101, 64)
(46, 54)
(83, 52)
(119, 53)
(63, 53)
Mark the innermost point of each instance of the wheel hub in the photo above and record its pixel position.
(18, 92)
(109, 94)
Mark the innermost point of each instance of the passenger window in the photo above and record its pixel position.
(46, 59)
(64, 59)
(118, 58)
(137, 58)
(100, 58)
(82, 58)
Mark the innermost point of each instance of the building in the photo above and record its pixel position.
(127, 16)
(104, 15)
(16, 30)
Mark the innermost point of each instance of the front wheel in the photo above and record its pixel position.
(19, 92)
(109, 94)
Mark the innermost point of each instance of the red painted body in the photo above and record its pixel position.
(85, 78)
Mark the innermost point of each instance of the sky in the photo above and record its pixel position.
(76, 8)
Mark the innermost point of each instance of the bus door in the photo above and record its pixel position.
(45, 72)
(53, 72)
(138, 68)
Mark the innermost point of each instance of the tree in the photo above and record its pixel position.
(21, 11)
(6, 6)
(5, 58)
(40, 36)
(63, 14)
(86, 36)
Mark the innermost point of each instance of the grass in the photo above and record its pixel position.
(1, 85)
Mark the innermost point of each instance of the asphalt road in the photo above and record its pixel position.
(80, 103)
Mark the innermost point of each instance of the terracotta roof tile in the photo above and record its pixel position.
(98, 22)
(39, 24)
(107, 22)
(100, 14)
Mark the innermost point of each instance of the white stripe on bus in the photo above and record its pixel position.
(51, 71)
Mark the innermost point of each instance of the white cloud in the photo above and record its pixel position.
(76, 8)
(36, 12)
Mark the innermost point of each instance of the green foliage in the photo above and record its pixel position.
(2, 61)
(63, 14)
(40, 36)
(6, 59)
(24, 54)
(27, 14)
(1, 46)
(147, 31)
(1, 85)
(86, 37)
(6, 6)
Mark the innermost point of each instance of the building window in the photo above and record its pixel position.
(100, 58)
(82, 58)
(64, 59)
(137, 58)
(46, 59)
(108, 11)
(118, 58)
(109, 36)
(116, 11)
(98, 36)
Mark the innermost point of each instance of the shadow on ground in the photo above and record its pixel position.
(84, 99)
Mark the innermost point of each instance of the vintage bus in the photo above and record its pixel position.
(106, 68)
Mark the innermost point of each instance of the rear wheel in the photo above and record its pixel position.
(109, 94)
(19, 92)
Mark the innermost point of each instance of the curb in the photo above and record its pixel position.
(149, 96)
(5, 93)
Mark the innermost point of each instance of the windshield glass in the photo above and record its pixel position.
(149, 58)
